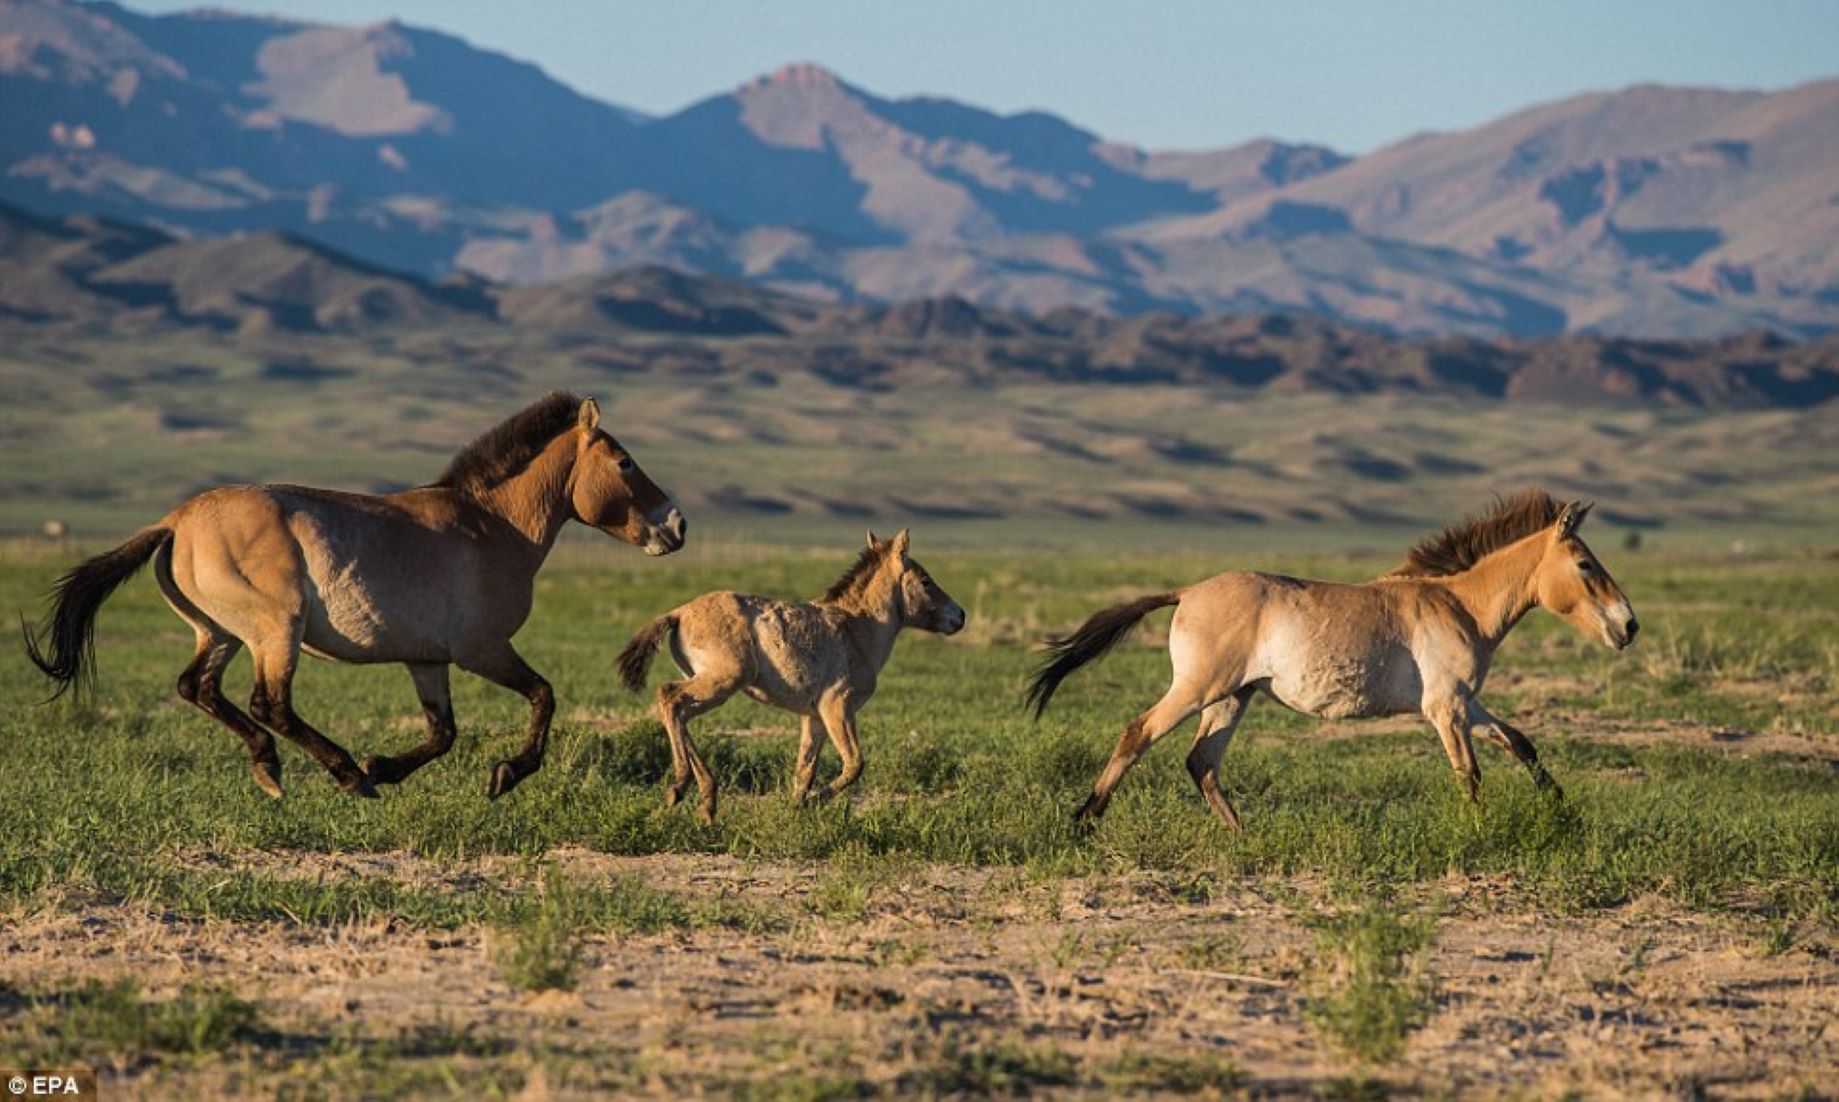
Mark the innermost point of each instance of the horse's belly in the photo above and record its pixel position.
(1349, 689)
(348, 622)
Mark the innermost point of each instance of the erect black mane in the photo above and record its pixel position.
(508, 447)
(859, 573)
(1460, 546)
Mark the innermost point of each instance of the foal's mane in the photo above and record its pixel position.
(1460, 546)
(855, 578)
(509, 446)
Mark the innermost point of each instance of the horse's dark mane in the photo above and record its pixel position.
(855, 577)
(508, 447)
(1460, 546)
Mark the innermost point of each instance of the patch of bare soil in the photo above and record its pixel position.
(1095, 976)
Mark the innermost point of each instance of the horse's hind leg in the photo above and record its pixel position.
(437, 706)
(201, 685)
(1218, 721)
(503, 666)
(681, 701)
(272, 702)
(1181, 701)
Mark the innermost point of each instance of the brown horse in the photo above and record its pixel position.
(820, 660)
(431, 577)
(1417, 641)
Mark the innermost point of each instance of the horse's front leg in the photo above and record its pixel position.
(437, 706)
(1450, 716)
(1509, 738)
(504, 666)
(839, 717)
(804, 770)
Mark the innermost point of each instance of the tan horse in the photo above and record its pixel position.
(1417, 641)
(819, 660)
(437, 576)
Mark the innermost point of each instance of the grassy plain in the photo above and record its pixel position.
(946, 931)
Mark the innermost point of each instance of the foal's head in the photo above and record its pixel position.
(1572, 583)
(918, 600)
(610, 492)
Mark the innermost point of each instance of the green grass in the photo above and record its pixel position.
(1375, 989)
(117, 795)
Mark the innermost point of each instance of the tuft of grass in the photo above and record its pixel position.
(541, 949)
(1375, 989)
(115, 1023)
(1136, 1073)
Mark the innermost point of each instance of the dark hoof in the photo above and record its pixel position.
(360, 785)
(504, 778)
(380, 770)
(267, 776)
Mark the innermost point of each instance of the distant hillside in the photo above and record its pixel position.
(109, 275)
(1659, 212)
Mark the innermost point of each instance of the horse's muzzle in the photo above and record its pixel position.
(667, 533)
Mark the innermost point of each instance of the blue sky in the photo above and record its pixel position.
(1164, 74)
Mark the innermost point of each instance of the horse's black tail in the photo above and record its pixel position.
(1094, 637)
(64, 647)
(635, 661)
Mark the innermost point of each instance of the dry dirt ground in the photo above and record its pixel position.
(1142, 981)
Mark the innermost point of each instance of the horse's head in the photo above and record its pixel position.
(609, 491)
(1572, 583)
(919, 600)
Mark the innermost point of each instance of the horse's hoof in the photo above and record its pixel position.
(378, 770)
(504, 778)
(672, 794)
(267, 776)
(360, 786)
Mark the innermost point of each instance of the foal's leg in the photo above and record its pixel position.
(503, 666)
(272, 702)
(201, 685)
(437, 706)
(804, 770)
(1181, 701)
(1217, 723)
(1450, 716)
(840, 722)
(681, 701)
(1509, 738)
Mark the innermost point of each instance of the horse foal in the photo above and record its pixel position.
(1416, 641)
(820, 660)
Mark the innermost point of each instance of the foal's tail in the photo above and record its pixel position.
(635, 661)
(1094, 637)
(64, 646)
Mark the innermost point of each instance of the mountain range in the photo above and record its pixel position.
(1647, 212)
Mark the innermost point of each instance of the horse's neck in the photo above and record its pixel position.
(534, 501)
(1498, 590)
(871, 623)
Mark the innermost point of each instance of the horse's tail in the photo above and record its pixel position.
(64, 647)
(1094, 637)
(635, 661)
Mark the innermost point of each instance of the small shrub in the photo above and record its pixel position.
(1375, 991)
(540, 950)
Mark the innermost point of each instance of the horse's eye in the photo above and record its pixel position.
(1585, 566)
(626, 465)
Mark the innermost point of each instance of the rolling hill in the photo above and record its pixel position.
(1658, 212)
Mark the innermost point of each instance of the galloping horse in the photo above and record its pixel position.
(429, 577)
(1416, 641)
(819, 660)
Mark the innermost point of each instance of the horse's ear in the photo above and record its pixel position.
(874, 541)
(589, 418)
(902, 540)
(1573, 516)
